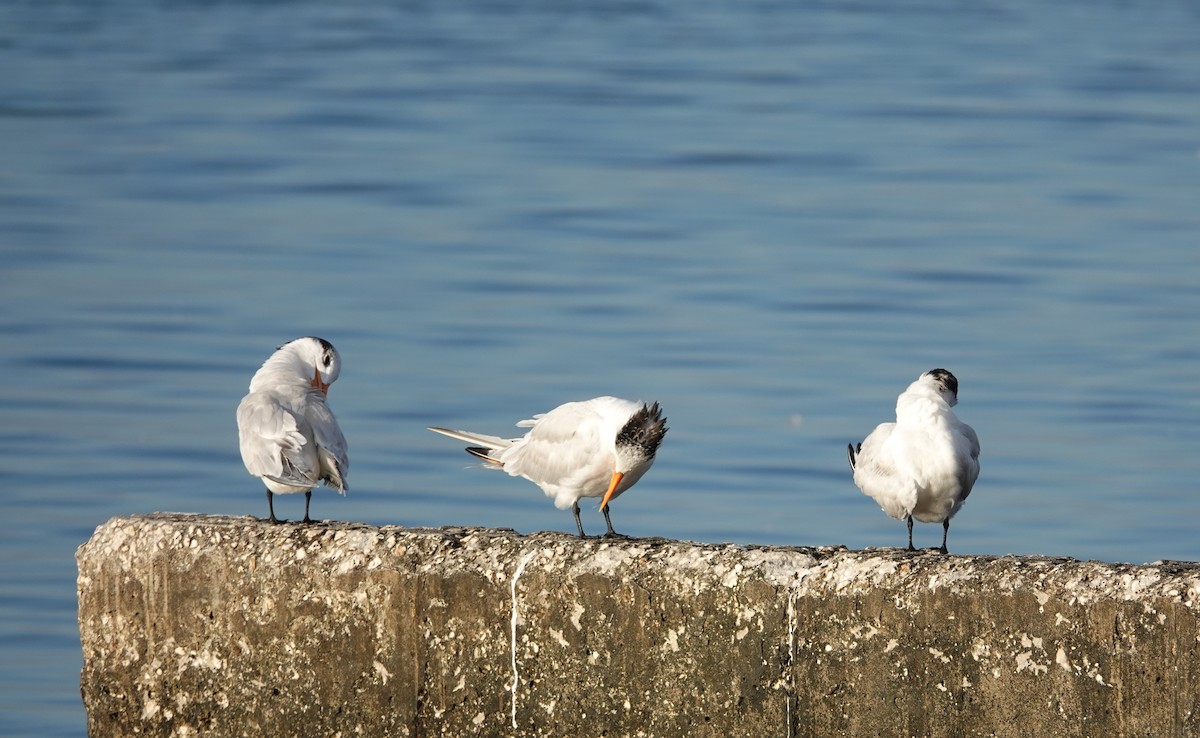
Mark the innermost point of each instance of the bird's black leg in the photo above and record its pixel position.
(578, 522)
(611, 533)
(307, 499)
(910, 546)
(271, 507)
(945, 532)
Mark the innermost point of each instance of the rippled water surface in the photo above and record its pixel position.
(771, 217)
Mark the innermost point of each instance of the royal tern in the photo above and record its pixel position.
(287, 433)
(595, 448)
(924, 465)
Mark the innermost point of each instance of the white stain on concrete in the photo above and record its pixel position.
(672, 642)
(577, 611)
(515, 618)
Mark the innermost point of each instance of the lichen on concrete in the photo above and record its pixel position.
(218, 626)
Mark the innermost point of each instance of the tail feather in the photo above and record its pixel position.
(494, 443)
(483, 454)
(850, 454)
(487, 444)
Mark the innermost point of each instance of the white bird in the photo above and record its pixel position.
(924, 465)
(288, 435)
(594, 448)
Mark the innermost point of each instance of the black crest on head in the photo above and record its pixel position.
(645, 430)
(325, 345)
(326, 349)
(946, 379)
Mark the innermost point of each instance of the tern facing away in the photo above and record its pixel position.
(288, 435)
(594, 448)
(924, 465)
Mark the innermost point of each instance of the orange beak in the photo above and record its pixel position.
(612, 487)
(318, 384)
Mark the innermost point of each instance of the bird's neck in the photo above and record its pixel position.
(278, 371)
(921, 408)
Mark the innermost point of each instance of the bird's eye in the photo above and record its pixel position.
(327, 359)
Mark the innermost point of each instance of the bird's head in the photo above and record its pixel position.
(309, 359)
(637, 443)
(945, 383)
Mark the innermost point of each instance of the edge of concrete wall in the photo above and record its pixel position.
(220, 626)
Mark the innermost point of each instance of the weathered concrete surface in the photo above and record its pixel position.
(220, 626)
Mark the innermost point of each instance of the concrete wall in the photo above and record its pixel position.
(223, 626)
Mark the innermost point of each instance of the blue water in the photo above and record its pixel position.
(770, 217)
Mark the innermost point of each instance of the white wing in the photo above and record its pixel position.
(332, 453)
(878, 475)
(273, 442)
(968, 450)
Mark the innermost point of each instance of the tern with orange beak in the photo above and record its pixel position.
(288, 435)
(924, 465)
(594, 448)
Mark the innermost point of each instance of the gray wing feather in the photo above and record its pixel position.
(332, 451)
(970, 472)
(267, 433)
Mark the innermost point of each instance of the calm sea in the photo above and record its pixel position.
(769, 216)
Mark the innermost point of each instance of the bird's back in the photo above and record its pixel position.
(942, 461)
(289, 435)
(569, 451)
